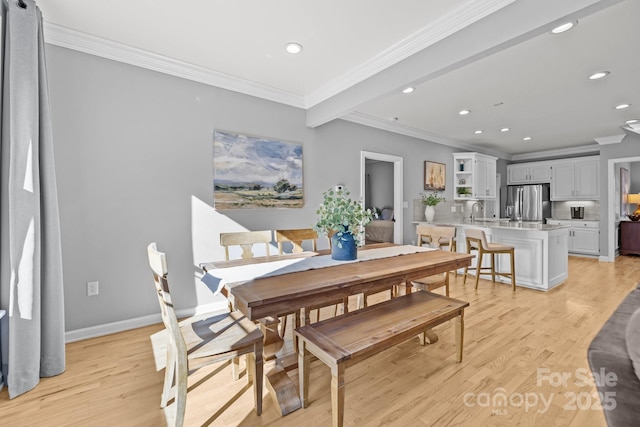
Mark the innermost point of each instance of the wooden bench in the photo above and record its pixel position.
(350, 338)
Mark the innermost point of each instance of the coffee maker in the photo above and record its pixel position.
(577, 212)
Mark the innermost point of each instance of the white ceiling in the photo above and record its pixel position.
(494, 57)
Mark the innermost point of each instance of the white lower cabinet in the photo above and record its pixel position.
(584, 236)
(585, 241)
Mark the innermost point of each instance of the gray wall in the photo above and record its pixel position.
(634, 173)
(380, 184)
(134, 165)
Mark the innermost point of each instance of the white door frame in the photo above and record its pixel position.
(398, 189)
(611, 182)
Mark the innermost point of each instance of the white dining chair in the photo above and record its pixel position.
(200, 340)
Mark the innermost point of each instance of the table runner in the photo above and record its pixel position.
(217, 278)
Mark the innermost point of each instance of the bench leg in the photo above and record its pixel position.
(304, 359)
(459, 327)
(337, 394)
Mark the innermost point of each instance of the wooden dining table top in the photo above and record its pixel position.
(270, 296)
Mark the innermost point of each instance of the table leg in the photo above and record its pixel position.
(273, 342)
(428, 337)
(283, 390)
(304, 359)
(459, 327)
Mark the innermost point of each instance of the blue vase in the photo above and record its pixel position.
(343, 246)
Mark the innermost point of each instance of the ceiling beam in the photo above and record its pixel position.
(513, 24)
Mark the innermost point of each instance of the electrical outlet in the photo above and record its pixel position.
(453, 208)
(92, 288)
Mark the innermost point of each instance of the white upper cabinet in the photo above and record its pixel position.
(529, 173)
(474, 176)
(575, 179)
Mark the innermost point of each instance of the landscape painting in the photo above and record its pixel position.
(252, 172)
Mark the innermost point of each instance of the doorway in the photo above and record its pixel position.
(611, 218)
(398, 227)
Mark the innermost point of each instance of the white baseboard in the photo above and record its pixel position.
(138, 322)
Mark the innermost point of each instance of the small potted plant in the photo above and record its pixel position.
(463, 191)
(429, 201)
(342, 218)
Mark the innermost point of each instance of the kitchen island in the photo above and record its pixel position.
(541, 250)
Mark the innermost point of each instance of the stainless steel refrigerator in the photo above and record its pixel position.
(528, 202)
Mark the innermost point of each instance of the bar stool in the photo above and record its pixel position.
(443, 242)
(476, 240)
(440, 237)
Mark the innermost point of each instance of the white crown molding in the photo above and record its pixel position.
(448, 24)
(606, 140)
(82, 42)
(560, 152)
(634, 127)
(459, 18)
(378, 123)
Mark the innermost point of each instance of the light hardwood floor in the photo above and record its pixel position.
(514, 342)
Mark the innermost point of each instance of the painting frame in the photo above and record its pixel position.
(435, 176)
(255, 172)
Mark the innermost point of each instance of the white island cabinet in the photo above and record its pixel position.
(541, 251)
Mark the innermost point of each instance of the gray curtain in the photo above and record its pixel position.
(30, 252)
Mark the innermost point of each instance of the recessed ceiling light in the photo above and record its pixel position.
(478, 132)
(598, 75)
(526, 138)
(505, 130)
(622, 106)
(293, 48)
(464, 112)
(564, 27)
(408, 89)
(632, 121)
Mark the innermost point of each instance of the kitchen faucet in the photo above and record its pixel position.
(473, 210)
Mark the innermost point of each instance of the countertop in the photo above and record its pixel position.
(574, 219)
(503, 224)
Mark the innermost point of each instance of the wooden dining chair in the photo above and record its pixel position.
(246, 240)
(296, 237)
(436, 235)
(363, 298)
(204, 338)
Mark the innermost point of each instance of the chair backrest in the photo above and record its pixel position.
(438, 236)
(476, 238)
(246, 240)
(158, 264)
(330, 234)
(296, 237)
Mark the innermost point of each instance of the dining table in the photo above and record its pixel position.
(263, 288)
